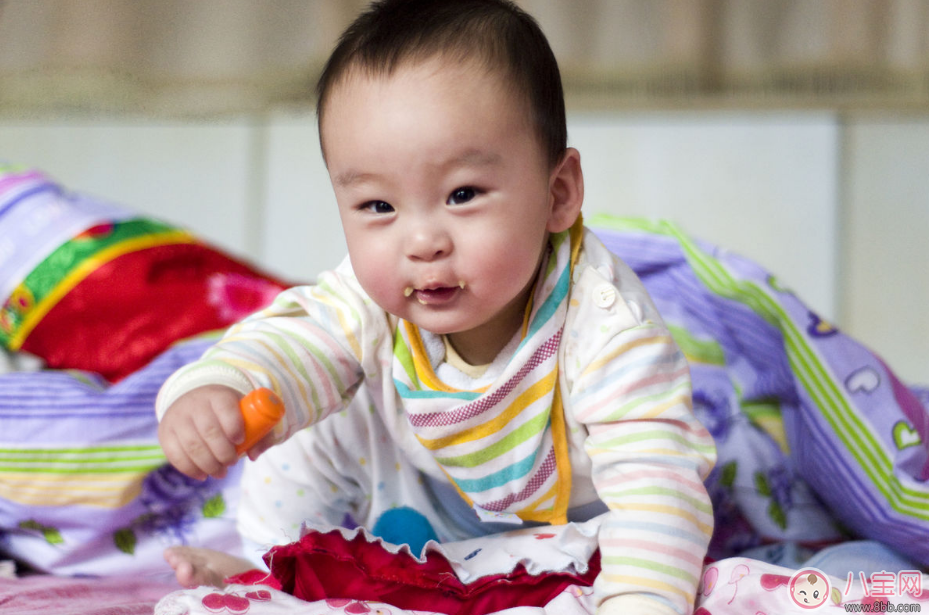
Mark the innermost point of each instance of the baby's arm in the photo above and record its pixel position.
(312, 347)
(649, 457)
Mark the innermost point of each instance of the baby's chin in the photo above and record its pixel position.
(439, 321)
(438, 326)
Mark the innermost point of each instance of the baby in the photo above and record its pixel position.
(494, 361)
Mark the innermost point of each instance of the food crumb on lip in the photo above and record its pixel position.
(409, 290)
(427, 296)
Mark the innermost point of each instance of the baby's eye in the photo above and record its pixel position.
(377, 207)
(462, 195)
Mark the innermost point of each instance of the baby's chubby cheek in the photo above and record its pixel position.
(383, 288)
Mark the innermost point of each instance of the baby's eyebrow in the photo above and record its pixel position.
(352, 177)
(469, 158)
(474, 158)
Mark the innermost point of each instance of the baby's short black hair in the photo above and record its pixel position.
(496, 33)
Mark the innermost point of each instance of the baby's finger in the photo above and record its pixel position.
(226, 408)
(261, 446)
(207, 445)
(176, 455)
(185, 465)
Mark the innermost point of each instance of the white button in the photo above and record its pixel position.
(605, 295)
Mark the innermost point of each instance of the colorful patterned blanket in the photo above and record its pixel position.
(102, 295)
(87, 284)
(817, 438)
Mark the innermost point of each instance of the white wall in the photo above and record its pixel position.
(200, 175)
(763, 185)
(837, 208)
(885, 272)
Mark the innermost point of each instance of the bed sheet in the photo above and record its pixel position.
(733, 586)
(52, 595)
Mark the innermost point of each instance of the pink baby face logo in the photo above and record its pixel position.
(809, 588)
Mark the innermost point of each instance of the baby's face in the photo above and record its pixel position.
(444, 194)
(810, 591)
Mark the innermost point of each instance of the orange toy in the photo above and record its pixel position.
(261, 409)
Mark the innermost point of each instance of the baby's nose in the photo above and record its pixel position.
(427, 243)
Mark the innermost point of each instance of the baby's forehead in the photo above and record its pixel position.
(468, 79)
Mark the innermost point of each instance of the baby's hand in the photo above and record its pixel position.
(200, 431)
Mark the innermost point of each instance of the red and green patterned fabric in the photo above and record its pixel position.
(89, 285)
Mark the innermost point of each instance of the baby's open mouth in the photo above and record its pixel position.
(435, 295)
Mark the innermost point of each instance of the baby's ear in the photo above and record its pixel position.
(566, 191)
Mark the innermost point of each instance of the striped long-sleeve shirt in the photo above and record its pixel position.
(633, 440)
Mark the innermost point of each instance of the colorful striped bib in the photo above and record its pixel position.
(504, 447)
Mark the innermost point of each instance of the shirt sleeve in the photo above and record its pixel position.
(311, 346)
(649, 456)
